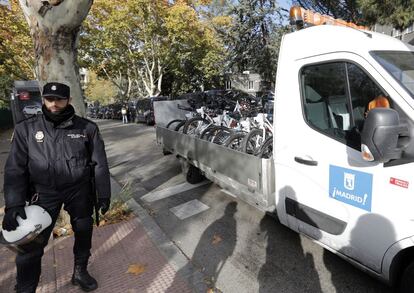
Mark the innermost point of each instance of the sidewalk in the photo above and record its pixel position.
(132, 256)
(116, 249)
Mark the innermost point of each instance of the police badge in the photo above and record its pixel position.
(39, 136)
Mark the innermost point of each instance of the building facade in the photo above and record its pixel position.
(248, 82)
(406, 35)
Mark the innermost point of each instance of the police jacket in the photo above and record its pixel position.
(48, 159)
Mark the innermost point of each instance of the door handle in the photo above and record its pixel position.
(306, 161)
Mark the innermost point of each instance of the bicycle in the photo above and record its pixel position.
(254, 140)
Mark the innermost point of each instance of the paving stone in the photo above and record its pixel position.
(114, 249)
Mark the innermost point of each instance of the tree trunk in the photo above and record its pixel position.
(54, 26)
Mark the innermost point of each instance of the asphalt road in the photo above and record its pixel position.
(238, 248)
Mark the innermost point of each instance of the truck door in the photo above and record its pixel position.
(330, 193)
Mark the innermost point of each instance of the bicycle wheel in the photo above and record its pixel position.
(221, 135)
(206, 133)
(266, 152)
(195, 126)
(173, 123)
(252, 142)
(210, 132)
(180, 126)
(235, 141)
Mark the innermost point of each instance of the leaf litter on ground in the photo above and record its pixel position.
(136, 269)
(118, 212)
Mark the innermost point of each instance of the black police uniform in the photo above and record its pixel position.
(53, 162)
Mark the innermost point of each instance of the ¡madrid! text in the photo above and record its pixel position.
(353, 197)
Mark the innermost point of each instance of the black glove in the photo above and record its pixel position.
(9, 221)
(103, 205)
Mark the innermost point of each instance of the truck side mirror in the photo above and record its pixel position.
(379, 137)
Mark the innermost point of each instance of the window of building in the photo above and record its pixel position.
(228, 84)
(251, 85)
(335, 98)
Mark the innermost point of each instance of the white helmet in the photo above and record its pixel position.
(37, 220)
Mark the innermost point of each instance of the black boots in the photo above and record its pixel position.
(82, 278)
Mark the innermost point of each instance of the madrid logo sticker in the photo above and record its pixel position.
(349, 181)
(351, 187)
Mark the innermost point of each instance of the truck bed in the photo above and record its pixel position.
(244, 176)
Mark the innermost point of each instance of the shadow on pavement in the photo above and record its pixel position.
(287, 268)
(213, 248)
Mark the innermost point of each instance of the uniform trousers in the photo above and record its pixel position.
(77, 201)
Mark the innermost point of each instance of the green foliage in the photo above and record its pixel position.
(136, 44)
(16, 49)
(144, 47)
(100, 90)
(195, 51)
(252, 37)
(398, 13)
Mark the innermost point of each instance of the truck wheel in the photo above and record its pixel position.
(194, 175)
(407, 279)
(165, 152)
(266, 152)
(252, 142)
(195, 126)
(235, 141)
(173, 123)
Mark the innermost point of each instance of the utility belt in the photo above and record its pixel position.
(43, 190)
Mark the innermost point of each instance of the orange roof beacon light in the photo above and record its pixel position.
(301, 17)
(295, 16)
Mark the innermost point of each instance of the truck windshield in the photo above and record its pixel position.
(400, 64)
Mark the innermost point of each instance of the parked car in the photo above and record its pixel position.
(32, 110)
(25, 100)
(145, 109)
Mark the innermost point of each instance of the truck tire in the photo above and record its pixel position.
(173, 123)
(407, 279)
(195, 126)
(165, 152)
(266, 151)
(194, 175)
(235, 141)
(252, 142)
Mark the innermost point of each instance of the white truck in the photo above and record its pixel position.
(340, 175)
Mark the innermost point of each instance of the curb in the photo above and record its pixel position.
(176, 258)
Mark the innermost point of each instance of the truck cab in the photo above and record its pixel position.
(341, 173)
(325, 189)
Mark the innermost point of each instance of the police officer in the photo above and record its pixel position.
(49, 165)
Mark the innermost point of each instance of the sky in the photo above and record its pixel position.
(285, 3)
